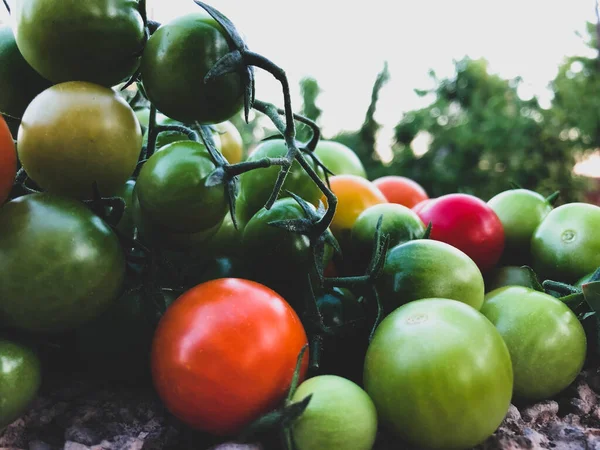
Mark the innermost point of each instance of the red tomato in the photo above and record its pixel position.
(224, 353)
(419, 206)
(469, 224)
(8, 161)
(401, 190)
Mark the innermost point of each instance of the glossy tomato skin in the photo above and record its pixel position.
(439, 374)
(172, 191)
(224, 354)
(510, 276)
(179, 54)
(71, 40)
(566, 245)
(232, 145)
(60, 265)
(469, 224)
(419, 206)
(401, 190)
(20, 83)
(425, 268)
(340, 159)
(75, 133)
(8, 161)
(546, 341)
(20, 379)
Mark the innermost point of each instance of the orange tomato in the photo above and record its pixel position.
(401, 190)
(8, 161)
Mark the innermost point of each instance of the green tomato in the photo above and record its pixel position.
(547, 343)
(77, 133)
(60, 265)
(227, 241)
(439, 374)
(566, 245)
(175, 61)
(520, 211)
(20, 379)
(171, 189)
(126, 225)
(340, 159)
(425, 268)
(20, 83)
(510, 276)
(340, 415)
(257, 185)
(72, 40)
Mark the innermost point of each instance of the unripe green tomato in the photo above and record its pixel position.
(340, 159)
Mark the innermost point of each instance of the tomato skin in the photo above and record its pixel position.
(421, 205)
(509, 276)
(20, 83)
(224, 353)
(340, 415)
(340, 159)
(444, 347)
(401, 190)
(176, 57)
(232, 146)
(60, 265)
(75, 133)
(56, 36)
(20, 379)
(566, 245)
(8, 161)
(424, 268)
(469, 224)
(546, 341)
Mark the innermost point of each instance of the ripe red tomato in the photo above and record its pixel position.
(8, 161)
(225, 352)
(469, 224)
(419, 206)
(401, 190)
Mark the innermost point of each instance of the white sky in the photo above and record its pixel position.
(344, 46)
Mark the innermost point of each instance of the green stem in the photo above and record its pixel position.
(153, 132)
(552, 198)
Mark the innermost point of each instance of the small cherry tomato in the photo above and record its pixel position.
(401, 190)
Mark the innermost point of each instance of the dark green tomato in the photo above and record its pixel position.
(520, 211)
(338, 307)
(176, 59)
(60, 265)
(227, 241)
(20, 379)
(510, 276)
(67, 40)
(20, 83)
(429, 269)
(257, 185)
(566, 245)
(127, 224)
(172, 192)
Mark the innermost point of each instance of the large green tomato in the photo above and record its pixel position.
(440, 374)
(176, 59)
(520, 211)
(77, 133)
(566, 245)
(20, 83)
(547, 343)
(340, 415)
(257, 185)
(424, 269)
(60, 265)
(73, 40)
(340, 159)
(20, 379)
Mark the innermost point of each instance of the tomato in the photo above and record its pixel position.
(547, 343)
(520, 211)
(401, 190)
(126, 224)
(60, 265)
(225, 352)
(439, 374)
(80, 41)
(74, 134)
(176, 59)
(257, 185)
(510, 276)
(8, 161)
(566, 245)
(425, 268)
(419, 206)
(20, 83)
(172, 192)
(340, 415)
(227, 241)
(469, 224)
(340, 159)
(232, 146)
(20, 379)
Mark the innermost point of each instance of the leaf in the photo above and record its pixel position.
(533, 278)
(591, 291)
